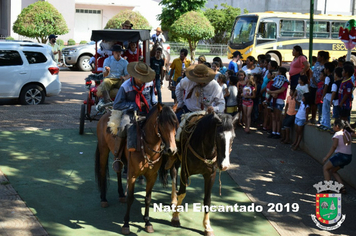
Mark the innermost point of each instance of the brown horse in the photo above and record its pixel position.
(158, 138)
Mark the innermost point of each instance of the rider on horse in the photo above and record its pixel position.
(198, 91)
(135, 94)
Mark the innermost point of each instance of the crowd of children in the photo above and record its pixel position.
(257, 92)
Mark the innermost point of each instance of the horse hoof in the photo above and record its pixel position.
(104, 204)
(125, 230)
(209, 233)
(122, 199)
(175, 223)
(149, 229)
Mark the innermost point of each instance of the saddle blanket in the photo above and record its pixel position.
(184, 119)
(114, 121)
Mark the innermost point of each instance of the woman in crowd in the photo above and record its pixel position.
(299, 66)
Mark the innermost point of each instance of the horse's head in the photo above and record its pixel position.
(225, 134)
(167, 127)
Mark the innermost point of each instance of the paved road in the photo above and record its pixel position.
(267, 171)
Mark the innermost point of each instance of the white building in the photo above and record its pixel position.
(82, 16)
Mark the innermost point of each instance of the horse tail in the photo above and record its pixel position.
(163, 174)
(102, 182)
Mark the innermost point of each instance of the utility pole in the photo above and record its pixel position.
(326, 3)
(353, 7)
(311, 26)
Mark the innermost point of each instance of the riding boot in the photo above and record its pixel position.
(132, 137)
(171, 160)
(119, 152)
(106, 96)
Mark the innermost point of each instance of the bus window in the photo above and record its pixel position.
(244, 30)
(335, 26)
(292, 28)
(267, 30)
(321, 29)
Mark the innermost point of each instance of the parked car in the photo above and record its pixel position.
(77, 57)
(28, 72)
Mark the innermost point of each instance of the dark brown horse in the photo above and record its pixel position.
(158, 135)
(204, 151)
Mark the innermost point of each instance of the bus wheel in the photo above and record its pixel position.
(353, 59)
(275, 58)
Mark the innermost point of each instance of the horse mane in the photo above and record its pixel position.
(227, 123)
(204, 127)
(168, 115)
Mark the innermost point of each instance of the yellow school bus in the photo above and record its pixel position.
(277, 33)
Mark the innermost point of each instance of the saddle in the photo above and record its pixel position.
(134, 141)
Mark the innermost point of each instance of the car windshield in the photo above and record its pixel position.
(244, 31)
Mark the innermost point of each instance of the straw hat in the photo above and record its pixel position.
(200, 73)
(159, 29)
(127, 23)
(141, 71)
(202, 59)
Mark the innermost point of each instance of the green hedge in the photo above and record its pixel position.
(83, 42)
(60, 42)
(71, 42)
(10, 38)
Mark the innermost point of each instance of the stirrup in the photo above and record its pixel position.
(113, 164)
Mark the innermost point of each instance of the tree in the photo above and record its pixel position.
(192, 27)
(222, 20)
(138, 20)
(173, 9)
(39, 20)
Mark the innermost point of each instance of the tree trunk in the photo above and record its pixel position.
(192, 47)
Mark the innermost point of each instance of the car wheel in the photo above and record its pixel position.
(32, 95)
(83, 63)
(274, 57)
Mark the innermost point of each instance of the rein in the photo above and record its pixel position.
(145, 144)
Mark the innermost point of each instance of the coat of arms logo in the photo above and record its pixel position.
(328, 205)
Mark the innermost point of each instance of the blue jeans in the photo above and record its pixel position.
(180, 112)
(336, 112)
(326, 113)
(158, 89)
(320, 111)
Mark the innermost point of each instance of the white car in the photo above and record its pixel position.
(28, 72)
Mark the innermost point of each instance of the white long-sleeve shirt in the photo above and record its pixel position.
(209, 95)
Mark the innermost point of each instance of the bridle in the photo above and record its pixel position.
(145, 144)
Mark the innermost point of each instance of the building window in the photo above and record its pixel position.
(87, 11)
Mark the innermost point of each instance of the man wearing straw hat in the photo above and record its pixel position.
(198, 91)
(202, 92)
(135, 94)
(158, 36)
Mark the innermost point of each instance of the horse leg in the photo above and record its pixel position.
(181, 195)
(208, 185)
(173, 173)
(101, 171)
(149, 186)
(130, 198)
(122, 197)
